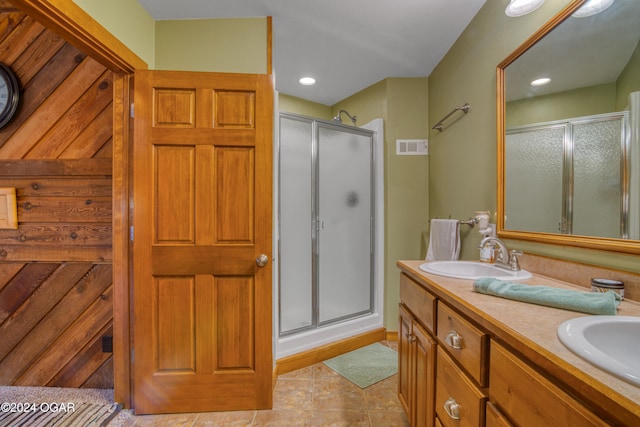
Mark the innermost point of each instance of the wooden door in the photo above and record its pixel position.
(202, 203)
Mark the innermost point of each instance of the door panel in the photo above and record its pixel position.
(202, 214)
(175, 324)
(175, 186)
(234, 168)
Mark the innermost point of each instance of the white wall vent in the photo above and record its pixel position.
(412, 147)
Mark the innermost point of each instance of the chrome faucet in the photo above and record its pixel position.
(504, 259)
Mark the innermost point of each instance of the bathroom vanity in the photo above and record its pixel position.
(469, 359)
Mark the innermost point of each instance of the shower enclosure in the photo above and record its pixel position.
(327, 216)
(576, 173)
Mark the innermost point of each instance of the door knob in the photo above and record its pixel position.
(262, 260)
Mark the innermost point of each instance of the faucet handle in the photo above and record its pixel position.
(513, 259)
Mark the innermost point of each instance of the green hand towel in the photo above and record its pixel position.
(585, 302)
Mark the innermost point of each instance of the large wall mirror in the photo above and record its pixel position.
(569, 150)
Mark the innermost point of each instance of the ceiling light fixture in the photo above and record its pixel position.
(522, 7)
(592, 7)
(540, 82)
(307, 81)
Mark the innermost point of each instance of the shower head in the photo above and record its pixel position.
(338, 119)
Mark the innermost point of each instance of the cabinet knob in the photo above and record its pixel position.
(411, 338)
(452, 408)
(454, 340)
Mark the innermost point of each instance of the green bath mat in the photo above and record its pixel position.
(367, 365)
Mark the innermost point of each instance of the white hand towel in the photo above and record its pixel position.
(444, 240)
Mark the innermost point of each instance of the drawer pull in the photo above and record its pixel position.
(452, 408)
(454, 340)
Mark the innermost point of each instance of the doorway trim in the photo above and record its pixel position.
(74, 25)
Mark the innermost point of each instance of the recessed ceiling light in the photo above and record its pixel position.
(592, 7)
(307, 81)
(540, 82)
(522, 7)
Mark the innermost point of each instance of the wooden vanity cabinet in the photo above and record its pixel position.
(467, 344)
(480, 376)
(416, 352)
(494, 418)
(528, 399)
(461, 373)
(416, 370)
(459, 402)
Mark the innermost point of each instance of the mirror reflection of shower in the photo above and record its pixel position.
(338, 118)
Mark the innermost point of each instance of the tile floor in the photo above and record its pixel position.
(312, 396)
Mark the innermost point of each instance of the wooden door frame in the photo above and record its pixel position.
(74, 25)
(77, 27)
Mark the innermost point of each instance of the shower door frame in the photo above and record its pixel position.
(316, 324)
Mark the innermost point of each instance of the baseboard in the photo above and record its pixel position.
(392, 335)
(327, 351)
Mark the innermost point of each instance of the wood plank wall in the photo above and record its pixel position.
(55, 269)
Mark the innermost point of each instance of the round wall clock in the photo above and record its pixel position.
(9, 94)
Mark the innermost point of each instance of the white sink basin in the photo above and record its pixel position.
(612, 343)
(472, 270)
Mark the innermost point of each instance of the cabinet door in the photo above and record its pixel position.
(424, 351)
(404, 361)
(529, 399)
(494, 417)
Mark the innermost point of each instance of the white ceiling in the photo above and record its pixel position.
(581, 52)
(346, 45)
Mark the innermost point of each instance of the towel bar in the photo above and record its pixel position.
(465, 108)
(470, 222)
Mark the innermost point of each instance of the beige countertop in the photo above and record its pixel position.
(530, 329)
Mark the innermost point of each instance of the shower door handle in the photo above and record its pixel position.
(262, 260)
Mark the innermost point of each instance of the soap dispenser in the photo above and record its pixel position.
(488, 251)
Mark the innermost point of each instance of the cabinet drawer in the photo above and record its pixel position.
(529, 399)
(419, 301)
(459, 403)
(495, 418)
(466, 343)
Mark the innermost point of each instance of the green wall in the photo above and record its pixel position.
(628, 81)
(402, 103)
(462, 160)
(128, 21)
(563, 105)
(292, 104)
(237, 45)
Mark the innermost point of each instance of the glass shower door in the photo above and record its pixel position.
(597, 159)
(535, 161)
(576, 174)
(344, 223)
(295, 223)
